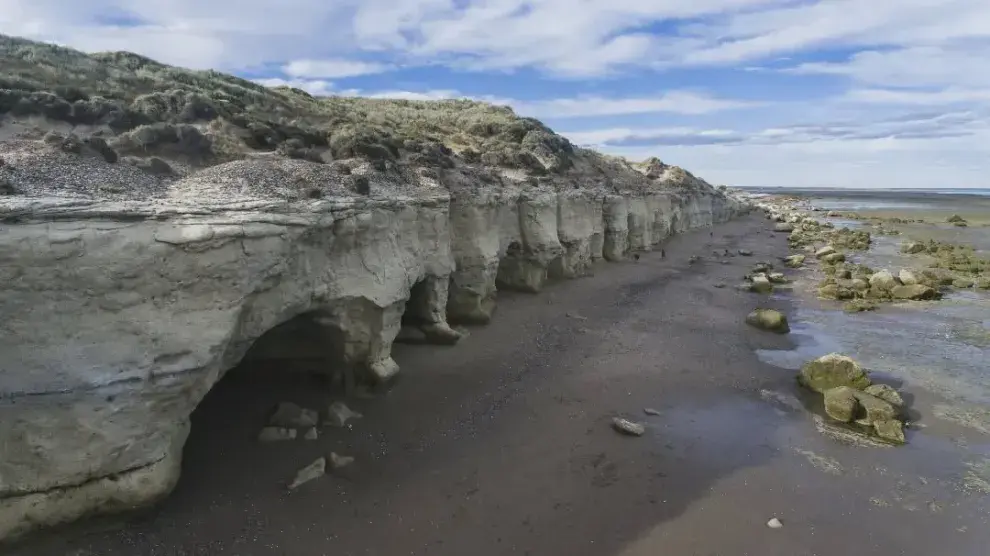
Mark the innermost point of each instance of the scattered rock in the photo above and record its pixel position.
(955, 219)
(859, 306)
(290, 415)
(624, 426)
(886, 393)
(912, 247)
(762, 267)
(783, 227)
(834, 258)
(777, 278)
(794, 261)
(875, 409)
(768, 319)
(312, 471)
(338, 461)
(774, 523)
(914, 292)
(824, 252)
(831, 371)
(338, 414)
(907, 277)
(312, 434)
(841, 404)
(650, 411)
(890, 429)
(760, 284)
(745, 253)
(275, 434)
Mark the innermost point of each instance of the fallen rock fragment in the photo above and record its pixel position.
(312, 471)
(831, 371)
(338, 414)
(890, 429)
(275, 434)
(290, 415)
(768, 319)
(627, 427)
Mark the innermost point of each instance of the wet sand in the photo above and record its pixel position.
(502, 444)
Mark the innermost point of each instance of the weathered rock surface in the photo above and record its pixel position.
(886, 393)
(907, 277)
(768, 319)
(627, 427)
(914, 292)
(832, 371)
(841, 404)
(759, 283)
(884, 281)
(794, 261)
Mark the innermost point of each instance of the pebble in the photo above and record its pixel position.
(774, 523)
(625, 426)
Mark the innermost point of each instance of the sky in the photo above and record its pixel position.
(796, 93)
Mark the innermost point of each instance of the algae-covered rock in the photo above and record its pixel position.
(859, 306)
(886, 393)
(963, 282)
(831, 371)
(835, 291)
(912, 247)
(874, 409)
(763, 267)
(824, 252)
(777, 278)
(914, 292)
(794, 261)
(834, 258)
(760, 284)
(841, 404)
(907, 277)
(768, 319)
(890, 429)
(983, 283)
(883, 281)
(859, 284)
(783, 227)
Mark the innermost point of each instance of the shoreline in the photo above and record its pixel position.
(516, 454)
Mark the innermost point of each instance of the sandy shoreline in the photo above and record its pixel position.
(502, 444)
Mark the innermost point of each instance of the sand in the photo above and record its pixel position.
(503, 444)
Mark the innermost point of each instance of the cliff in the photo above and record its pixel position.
(156, 222)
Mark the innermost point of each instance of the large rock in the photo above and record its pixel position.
(832, 371)
(886, 393)
(783, 227)
(914, 292)
(759, 283)
(907, 277)
(824, 252)
(794, 261)
(912, 247)
(768, 319)
(841, 404)
(884, 281)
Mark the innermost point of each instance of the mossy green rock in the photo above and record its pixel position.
(834, 258)
(831, 371)
(890, 429)
(841, 404)
(794, 261)
(886, 393)
(874, 409)
(963, 283)
(768, 319)
(912, 247)
(914, 292)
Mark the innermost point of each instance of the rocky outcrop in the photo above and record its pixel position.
(125, 301)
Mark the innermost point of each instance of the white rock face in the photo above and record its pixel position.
(121, 315)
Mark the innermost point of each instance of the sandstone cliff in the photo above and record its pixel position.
(156, 222)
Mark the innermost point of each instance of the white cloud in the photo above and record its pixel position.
(332, 68)
(311, 86)
(677, 102)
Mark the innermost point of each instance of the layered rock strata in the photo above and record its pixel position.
(121, 315)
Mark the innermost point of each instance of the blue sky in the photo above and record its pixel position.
(841, 93)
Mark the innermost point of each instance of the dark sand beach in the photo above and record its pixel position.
(503, 445)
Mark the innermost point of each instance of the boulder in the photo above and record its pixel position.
(834, 258)
(983, 283)
(914, 292)
(912, 247)
(859, 284)
(768, 319)
(907, 277)
(763, 267)
(777, 278)
(963, 282)
(841, 404)
(783, 227)
(886, 393)
(874, 409)
(883, 281)
(831, 371)
(759, 283)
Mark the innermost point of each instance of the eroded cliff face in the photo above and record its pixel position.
(121, 315)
